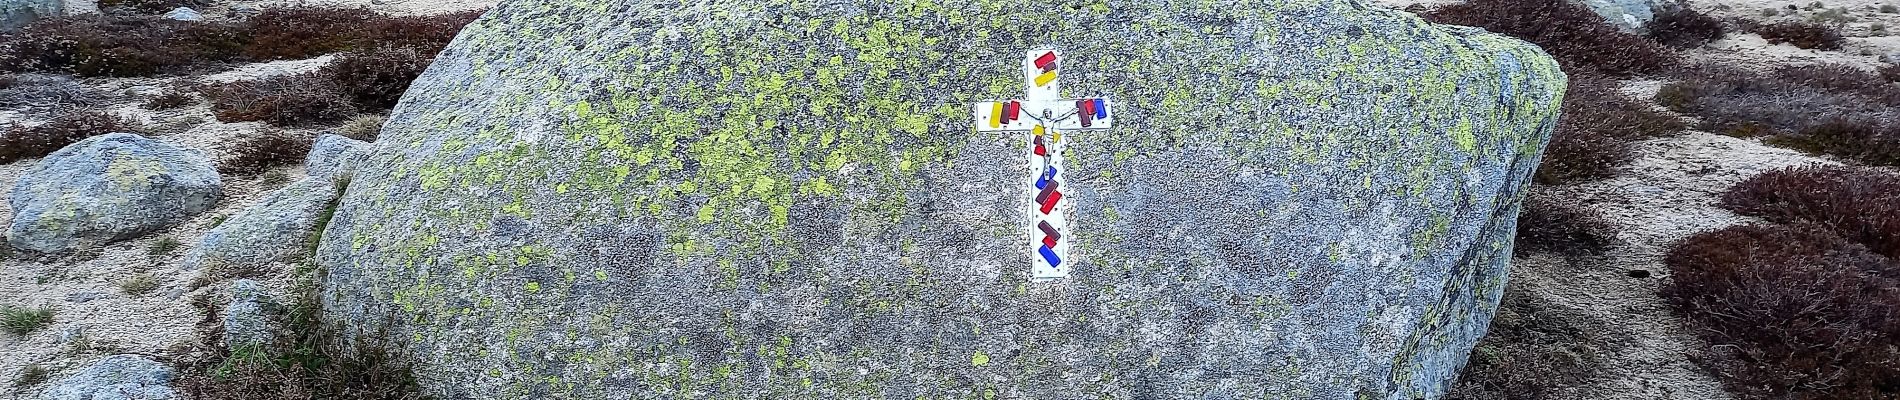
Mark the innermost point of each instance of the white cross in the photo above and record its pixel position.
(1045, 115)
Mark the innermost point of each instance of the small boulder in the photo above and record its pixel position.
(119, 377)
(18, 13)
(108, 188)
(184, 14)
(275, 229)
(334, 157)
(251, 318)
(1628, 15)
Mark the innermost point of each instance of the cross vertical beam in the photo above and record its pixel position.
(1044, 115)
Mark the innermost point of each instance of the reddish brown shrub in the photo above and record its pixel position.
(286, 33)
(376, 79)
(1861, 204)
(1593, 136)
(1890, 72)
(1866, 141)
(1841, 77)
(1533, 349)
(1684, 27)
(1549, 224)
(18, 142)
(1576, 36)
(290, 100)
(97, 45)
(1793, 312)
(427, 34)
(262, 151)
(1806, 35)
(1741, 103)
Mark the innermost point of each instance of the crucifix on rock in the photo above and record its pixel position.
(1045, 116)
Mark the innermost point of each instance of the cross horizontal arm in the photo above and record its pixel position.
(1024, 115)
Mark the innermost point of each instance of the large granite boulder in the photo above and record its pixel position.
(786, 199)
(119, 377)
(15, 14)
(108, 188)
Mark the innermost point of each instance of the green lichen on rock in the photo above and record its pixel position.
(786, 199)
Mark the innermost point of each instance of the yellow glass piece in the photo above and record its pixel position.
(1037, 130)
(1045, 78)
(996, 115)
(1057, 136)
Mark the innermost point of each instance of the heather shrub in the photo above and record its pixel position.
(1791, 312)
(287, 33)
(289, 100)
(39, 92)
(1890, 72)
(1841, 77)
(376, 79)
(1549, 224)
(259, 152)
(1684, 27)
(20, 142)
(1860, 204)
(1577, 37)
(1866, 141)
(1533, 349)
(1742, 103)
(427, 34)
(99, 45)
(1806, 35)
(1594, 135)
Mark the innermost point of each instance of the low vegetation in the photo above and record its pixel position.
(1830, 109)
(1806, 35)
(23, 142)
(311, 361)
(1593, 137)
(365, 127)
(1860, 204)
(1576, 36)
(147, 45)
(163, 246)
(138, 285)
(1685, 28)
(1533, 349)
(22, 321)
(31, 375)
(292, 100)
(1549, 224)
(1791, 311)
(375, 79)
(262, 151)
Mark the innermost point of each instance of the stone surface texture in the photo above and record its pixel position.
(1628, 15)
(786, 199)
(334, 157)
(18, 13)
(184, 14)
(108, 188)
(119, 377)
(277, 228)
(251, 318)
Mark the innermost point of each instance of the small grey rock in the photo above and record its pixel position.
(334, 157)
(119, 377)
(17, 13)
(272, 230)
(108, 188)
(250, 319)
(185, 14)
(82, 297)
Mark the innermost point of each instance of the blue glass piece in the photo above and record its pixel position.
(1101, 108)
(1050, 256)
(1043, 180)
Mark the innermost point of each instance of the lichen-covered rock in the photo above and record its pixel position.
(119, 377)
(277, 228)
(250, 320)
(333, 157)
(18, 13)
(107, 188)
(1628, 15)
(787, 199)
